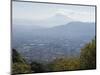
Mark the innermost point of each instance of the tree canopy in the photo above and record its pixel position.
(86, 60)
(19, 65)
(88, 56)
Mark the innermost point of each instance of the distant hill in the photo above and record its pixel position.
(54, 20)
(76, 29)
(71, 30)
(50, 43)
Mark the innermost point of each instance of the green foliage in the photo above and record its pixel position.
(87, 60)
(65, 64)
(88, 56)
(16, 57)
(37, 67)
(18, 68)
(19, 65)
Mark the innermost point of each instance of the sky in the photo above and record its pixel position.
(29, 11)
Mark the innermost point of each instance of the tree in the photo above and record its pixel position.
(19, 65)
(88, 56)
(37, 67)
(16, 57)
(19, 68)
(65, 64)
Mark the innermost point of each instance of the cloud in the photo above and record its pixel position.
(40, 11)
(78, 15)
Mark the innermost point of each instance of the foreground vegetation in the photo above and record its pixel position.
(87, 60)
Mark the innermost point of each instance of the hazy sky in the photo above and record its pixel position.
(40, 11)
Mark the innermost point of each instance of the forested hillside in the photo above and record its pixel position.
(86, 60)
